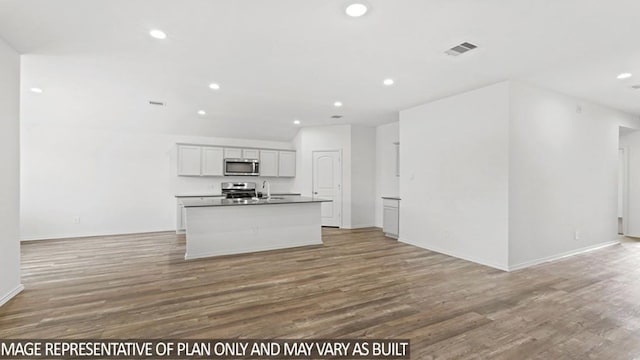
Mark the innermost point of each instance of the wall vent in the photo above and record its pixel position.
(460, 49)
(157, 103)
(336, 116)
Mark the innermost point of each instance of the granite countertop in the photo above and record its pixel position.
(193, 202)
(198, 195)
(391, 197)
(220, 195)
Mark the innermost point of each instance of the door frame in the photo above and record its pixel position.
(625, 188)
(340, 160)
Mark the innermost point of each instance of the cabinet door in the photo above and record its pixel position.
(189, 160)
(233, 153)
(251, 154)
(287, 163)
(268, 163)
(390, 221)
(181, 215)
(212, 161)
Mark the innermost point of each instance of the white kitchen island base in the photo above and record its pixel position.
(225, 230)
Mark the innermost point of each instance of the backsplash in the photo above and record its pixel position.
(211, 185)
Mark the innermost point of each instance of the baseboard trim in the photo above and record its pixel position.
(583, 250)
(5, 299)
(452, 254)
(64, 237)
(353, 227)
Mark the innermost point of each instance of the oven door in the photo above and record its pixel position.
(241, 167)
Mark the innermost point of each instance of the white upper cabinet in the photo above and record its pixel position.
(212, 161)
(205, 160)
(196, 160)
(189, 160)
(230, 153)
(250, 154)
(268, 163)
(234, 153)
(287, 163)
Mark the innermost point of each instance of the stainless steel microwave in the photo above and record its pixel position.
(241, 167)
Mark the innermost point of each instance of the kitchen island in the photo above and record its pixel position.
(217, 226)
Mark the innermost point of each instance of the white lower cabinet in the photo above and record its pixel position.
(391, 217)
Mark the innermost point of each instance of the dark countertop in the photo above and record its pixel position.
(391, 197)
(220, 195)
(197, 202)
(198, 195)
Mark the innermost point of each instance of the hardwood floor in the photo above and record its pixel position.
(358, 285)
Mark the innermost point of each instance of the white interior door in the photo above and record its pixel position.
(327, 184)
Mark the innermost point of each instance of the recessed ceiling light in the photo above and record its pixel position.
(202, 112)
(36, 90)
(356, 10)
(297, 122)
(158, 34)
(337, 104)
(214, 86)
(388, 82)
(625, 76)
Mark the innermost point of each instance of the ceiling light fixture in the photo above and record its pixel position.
(36, 90)
(214, 86)
(202, 112)
(625, 76)
(388, 82)
(337, 104)
(158, 34)
(297, 122)
(356, 10)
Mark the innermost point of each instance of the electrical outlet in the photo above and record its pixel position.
(576, 235)
(76, 219)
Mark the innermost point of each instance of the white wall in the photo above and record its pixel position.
(563, 174)
(10, 174)
(115, 181)
(320, 138)
(358, 180)
(363, 176)
(454, 175)
(629, 184)
(387, 183)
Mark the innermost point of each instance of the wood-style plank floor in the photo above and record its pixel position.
(358, 285)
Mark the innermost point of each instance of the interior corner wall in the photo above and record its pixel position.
(363, 176)
(387, 182)
(454, 175)
(10, 174)
(563, 169)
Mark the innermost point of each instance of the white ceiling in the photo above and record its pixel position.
(280, 60)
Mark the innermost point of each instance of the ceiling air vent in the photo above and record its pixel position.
(336, 116)
(157, 103)
(637, 87)
(460, 49)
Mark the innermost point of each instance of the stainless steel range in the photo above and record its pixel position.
(240, 190)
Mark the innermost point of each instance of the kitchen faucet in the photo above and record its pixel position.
(268, 185)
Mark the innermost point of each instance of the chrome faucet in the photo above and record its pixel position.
(268, 185)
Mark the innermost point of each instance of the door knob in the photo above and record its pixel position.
(315, 193)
